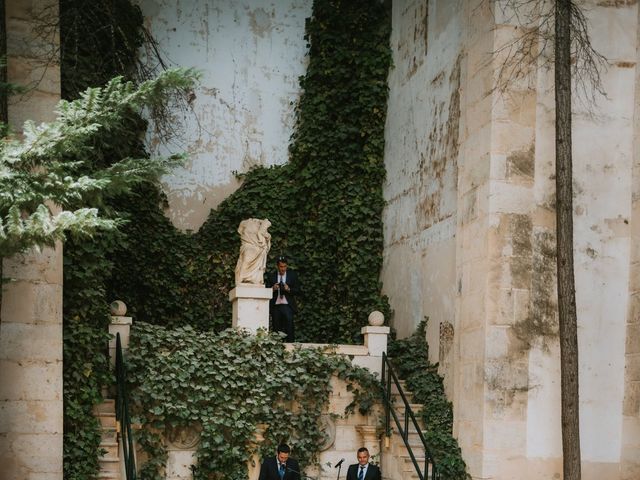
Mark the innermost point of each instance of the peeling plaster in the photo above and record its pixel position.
(251, 53)
(521, 165)
(541, 324)
(438, 166)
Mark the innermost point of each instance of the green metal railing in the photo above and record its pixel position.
(122, 413)
(428, 471)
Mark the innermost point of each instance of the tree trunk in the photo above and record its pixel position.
(564, 226)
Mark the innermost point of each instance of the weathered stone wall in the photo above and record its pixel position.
(251, 53)
(31, 367)
(630, 457)
(422, 132)
(469, 226)
(32, 59)
(345, 433)
(488, 283)
(31, 315)
(437, 144)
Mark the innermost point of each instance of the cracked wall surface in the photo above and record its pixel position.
(251, 53)
(470, 234)
(422, 133)
(469, 227)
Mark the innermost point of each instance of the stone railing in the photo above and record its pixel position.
(368, 355)
(345, 434)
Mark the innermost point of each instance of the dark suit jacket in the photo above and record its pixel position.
(373, 472)
(269, 469)
(294, 288)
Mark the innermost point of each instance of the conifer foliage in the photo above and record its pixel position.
(49, 185)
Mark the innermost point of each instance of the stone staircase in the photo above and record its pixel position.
(110, 462)
(397, 461)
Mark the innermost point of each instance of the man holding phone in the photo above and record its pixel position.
(286, 287)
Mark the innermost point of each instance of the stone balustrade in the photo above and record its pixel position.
(345, 433)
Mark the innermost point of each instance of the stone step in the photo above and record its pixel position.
(107, 406)
(110, 467)
(414, 442)
(109, 475)
(394, 389)
(415, 407)
(411, 427)
(109, 464)
(111, 448)
(401, 453)
(409, 470)
(407, 458)
(396, 399)
(109, 435)
(107, 420)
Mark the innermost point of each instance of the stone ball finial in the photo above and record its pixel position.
(376, 318)
(118, 308)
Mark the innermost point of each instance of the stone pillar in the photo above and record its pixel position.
(119, 324)
(375, 339)
(31, 367)
(31, 315)
(250, 307)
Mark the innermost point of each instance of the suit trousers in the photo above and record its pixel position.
(282, 316)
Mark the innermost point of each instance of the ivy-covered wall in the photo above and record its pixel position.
(229, 386)
(325, 205)
(251, 54)
(98, 42)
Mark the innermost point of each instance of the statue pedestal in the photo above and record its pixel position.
(250, 306)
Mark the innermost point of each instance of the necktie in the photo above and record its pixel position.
(282, 470)
(361, 474)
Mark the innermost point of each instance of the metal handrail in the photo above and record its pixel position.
(122, 413)
(388, 374)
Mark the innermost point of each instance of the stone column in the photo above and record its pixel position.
(31, 367)
(375, 339)
(250, 307)
(31, 315)
(119, 324)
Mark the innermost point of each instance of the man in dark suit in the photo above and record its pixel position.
(363, 470)
(280, 467)
(283, 305)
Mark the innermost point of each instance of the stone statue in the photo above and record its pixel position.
(256, 242)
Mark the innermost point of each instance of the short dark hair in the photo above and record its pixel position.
(363, 449)
(281, 259)
(284, 448)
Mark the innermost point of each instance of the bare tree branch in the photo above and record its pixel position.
(531, 47)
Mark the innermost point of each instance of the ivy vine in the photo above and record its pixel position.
(410, 356)
(325, 205)
(230, 385)
(330, 225)
(98, 41)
